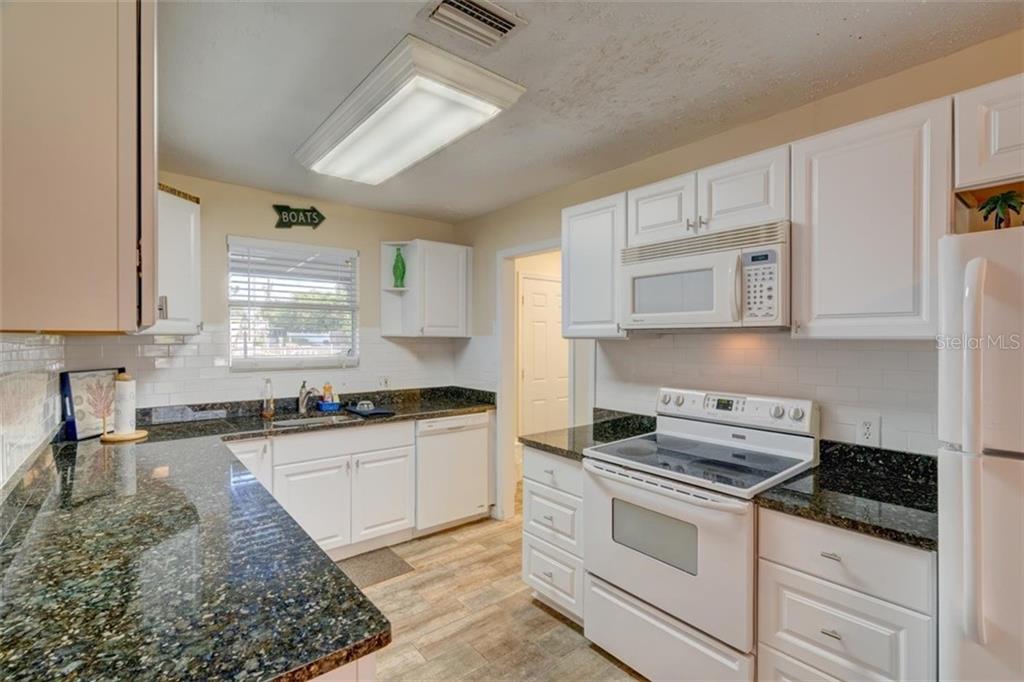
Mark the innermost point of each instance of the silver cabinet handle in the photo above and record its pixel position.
(548, 574)
(832, 633)
(549, 472)
(690, 225)
(701, 221)
(357, 465)
(549, 518)
(348, 465)
(831, 555)
(161, 307)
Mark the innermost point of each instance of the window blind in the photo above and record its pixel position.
(292, 305)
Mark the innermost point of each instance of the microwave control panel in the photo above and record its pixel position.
(761, 285)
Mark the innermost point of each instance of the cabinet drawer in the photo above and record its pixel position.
(305, 447)
(554, 573)
(654, 644)
(554, 471)
(887, 570)
(842, 632)
(774, 666)
(554, 516)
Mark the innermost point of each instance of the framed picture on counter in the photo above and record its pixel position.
(87, 400)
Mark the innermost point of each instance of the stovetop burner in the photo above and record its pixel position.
(685, 458)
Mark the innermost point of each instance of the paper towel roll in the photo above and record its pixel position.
(124, 403)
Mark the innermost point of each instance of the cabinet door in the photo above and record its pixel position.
(870, 202)
(990, 133)
(383, 492)
(662, 210)
(752, 190)
(318, 496)
(593, 234)
(256, 457)
(445, 289)
(77, 106)
(178, 276)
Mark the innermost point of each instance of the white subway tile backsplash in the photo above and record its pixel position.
(174, 370)
(894, 379)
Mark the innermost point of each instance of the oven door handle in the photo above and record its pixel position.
(619, 475)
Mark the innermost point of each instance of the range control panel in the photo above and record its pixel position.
(784, 414)
(761, 285)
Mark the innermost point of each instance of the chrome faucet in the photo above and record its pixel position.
(304, 395)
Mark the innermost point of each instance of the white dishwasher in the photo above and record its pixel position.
(451, 468)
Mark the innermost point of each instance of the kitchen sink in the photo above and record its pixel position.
(310, 421)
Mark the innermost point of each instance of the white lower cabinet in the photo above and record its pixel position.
(383, 491)
(256, 457)
(553, 529)
(317, 495)
(834, 604)
(653, 643)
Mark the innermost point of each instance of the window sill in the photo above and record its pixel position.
(285, 364)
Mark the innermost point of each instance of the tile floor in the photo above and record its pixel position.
(465, 614)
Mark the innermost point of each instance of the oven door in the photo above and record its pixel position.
(684, 550)
(700, 290)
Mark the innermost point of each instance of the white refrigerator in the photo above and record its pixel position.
(981, 460)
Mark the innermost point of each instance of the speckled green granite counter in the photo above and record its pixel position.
(884, 493)
(607, 427)
(163, 561)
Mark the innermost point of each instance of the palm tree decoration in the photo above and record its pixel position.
(1001, 205)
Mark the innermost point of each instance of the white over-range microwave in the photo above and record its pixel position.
(738, 278)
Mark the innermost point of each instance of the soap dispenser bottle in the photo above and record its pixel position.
(268, 400)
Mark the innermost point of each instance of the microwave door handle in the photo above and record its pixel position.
(637, 482)
(737, 288)
(973, 446)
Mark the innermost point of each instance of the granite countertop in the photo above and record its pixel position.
(608, 426)
(164, 561)
(247, 427)
(884, 493)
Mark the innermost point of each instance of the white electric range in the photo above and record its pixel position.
(669, 530)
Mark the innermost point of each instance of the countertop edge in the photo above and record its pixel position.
(546, 447)
(337, 659)
(862, 527)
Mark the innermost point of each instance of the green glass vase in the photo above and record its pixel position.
(398, 269)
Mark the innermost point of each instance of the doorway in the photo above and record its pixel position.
(542, 355)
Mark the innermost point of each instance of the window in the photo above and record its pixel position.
(292, 305)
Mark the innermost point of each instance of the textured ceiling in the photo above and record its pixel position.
(243, 84)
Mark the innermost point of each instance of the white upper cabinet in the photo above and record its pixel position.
(870, 202)
(435, 298)
(990, 133)
(179, 305)
(593, 234)
(752, 190)
(662, 211)
(444, 289)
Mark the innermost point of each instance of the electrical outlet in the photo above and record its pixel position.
(383, 382)
(869, 430)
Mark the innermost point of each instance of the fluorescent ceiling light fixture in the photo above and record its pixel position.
(415, 102)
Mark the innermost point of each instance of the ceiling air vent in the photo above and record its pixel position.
(478, 20)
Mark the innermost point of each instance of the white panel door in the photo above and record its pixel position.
(593, 234)
(990, 133)
(752, 190)
(543, 356)
(383, 492)
(870, 202)
(256, 457)
(445, 289)
(662, 210)
(317, 494)
(179, 307)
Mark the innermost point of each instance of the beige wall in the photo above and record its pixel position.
(538, 218)
(233, 209)
(549, 263)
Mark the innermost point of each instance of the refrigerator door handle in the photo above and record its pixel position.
(973, 445)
